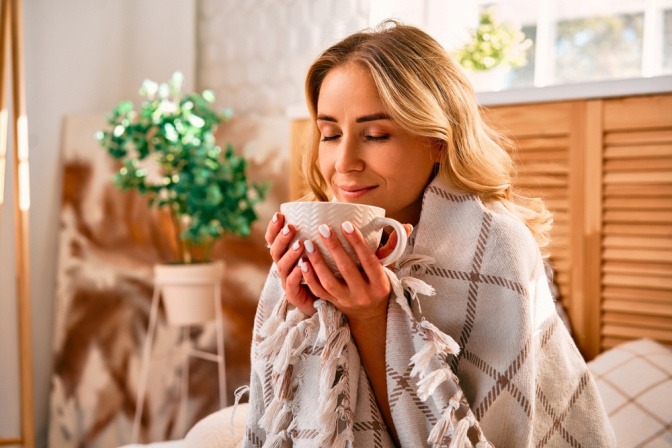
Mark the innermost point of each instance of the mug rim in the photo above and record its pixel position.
(332, 204)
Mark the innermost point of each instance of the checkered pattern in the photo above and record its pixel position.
(520, 374)
(635, 381)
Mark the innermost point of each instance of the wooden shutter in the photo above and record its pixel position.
(637, 220)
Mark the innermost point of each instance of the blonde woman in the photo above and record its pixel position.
(456, 344)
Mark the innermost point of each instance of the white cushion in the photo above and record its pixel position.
(221, 429)
(635, 382)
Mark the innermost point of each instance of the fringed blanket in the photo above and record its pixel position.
(472, 273)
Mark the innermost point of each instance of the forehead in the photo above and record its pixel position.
(349, 86)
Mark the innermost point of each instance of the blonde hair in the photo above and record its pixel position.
(428, 95)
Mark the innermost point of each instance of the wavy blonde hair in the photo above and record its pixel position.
(428, 95)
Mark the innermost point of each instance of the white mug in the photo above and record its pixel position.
(369, 219)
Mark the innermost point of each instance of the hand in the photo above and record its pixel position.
(278, 236)
(362, 294)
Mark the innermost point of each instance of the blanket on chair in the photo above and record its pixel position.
(471, 272)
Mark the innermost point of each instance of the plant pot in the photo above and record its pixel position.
(489, 80)
(188, 291)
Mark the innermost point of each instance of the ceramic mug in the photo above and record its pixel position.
(369, 219)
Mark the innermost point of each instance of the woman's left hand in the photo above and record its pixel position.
(362, 293)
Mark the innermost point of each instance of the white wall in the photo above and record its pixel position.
(81, 56)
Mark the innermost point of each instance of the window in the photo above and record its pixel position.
(590, 40)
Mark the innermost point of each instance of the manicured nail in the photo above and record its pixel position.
(309, 246)
(348, 227)
(296, 245)
(303, 265)
(324, 230)
(285, 230)
(275, 217)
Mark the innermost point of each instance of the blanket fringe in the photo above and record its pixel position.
(334, 405)
(285, 346)
(459, 439)
(438, 346)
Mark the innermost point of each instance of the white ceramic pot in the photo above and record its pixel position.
(489, 80)
(188, 291)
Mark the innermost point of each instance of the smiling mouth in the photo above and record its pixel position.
(353, 192)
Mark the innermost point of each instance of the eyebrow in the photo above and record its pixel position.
(362, 119)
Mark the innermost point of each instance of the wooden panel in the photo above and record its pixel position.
(645, 112)
(535, 120)
(637, 212)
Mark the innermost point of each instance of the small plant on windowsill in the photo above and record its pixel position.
(494, 47)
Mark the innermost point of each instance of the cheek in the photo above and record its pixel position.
(324, 164)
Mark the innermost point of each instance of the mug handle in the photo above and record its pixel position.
(380, 222)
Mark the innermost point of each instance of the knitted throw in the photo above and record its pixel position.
(471, 301)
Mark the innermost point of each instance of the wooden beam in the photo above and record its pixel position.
(21, 207)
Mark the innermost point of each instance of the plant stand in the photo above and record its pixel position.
(159, 285)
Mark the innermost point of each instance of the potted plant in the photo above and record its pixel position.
(494, 48)
(166, 151)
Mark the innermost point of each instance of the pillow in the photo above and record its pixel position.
(222, 429)
(635, 382)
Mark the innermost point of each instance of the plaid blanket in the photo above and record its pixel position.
(473, 273)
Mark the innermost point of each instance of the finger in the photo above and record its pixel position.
(297, 294)
(312, 282)
(274, 227)
(326, 279)
(282, 240)
(288, 262)
(392, 242)
(370, 263)
(347, 267)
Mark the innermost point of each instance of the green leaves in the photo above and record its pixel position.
(493, 43)
(168, 152)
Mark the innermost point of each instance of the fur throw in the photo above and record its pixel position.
(473, 273)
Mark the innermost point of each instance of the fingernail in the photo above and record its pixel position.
(275, 217)
(296, 245)
(309, 246)
(324, 230)
(348, 227)
(285, 230)
(303, 265)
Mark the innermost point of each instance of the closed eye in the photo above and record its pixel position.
(329, 138)
(377, 138)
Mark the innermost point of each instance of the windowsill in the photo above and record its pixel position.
(598, 89)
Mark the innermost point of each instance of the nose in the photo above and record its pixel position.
(349, 156)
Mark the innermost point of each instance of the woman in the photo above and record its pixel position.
(370, 359)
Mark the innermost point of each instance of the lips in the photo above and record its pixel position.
(355, 191)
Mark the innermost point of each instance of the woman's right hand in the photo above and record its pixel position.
(287, 259)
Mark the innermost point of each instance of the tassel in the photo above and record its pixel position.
(336, 343)
(329, 318)
(416, 286)
(428, 384)
(459, 439)
(416, 264)
(266, 420)
(443, 343)
(281, 420)
(341, 440)
(272, 344)
(238, 394)
(443, 428)
(275, 319)
(277, 440)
